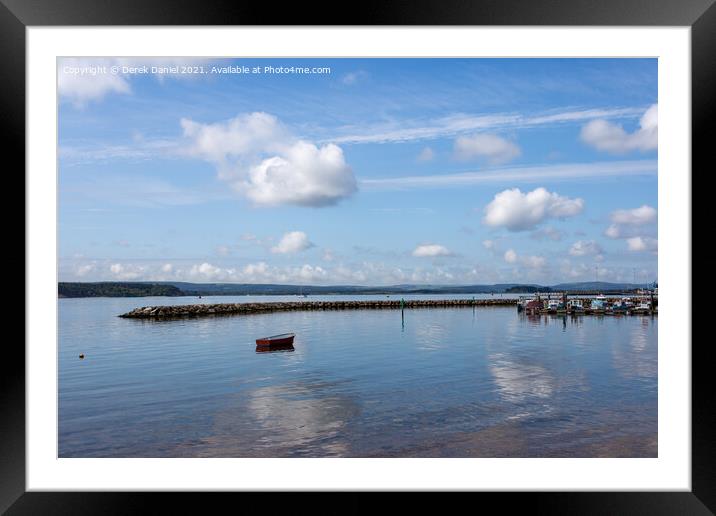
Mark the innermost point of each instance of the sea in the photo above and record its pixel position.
(428, 382)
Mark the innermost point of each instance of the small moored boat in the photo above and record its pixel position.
(554, 305)
(576, 306)
(643, 307)
(285, 339)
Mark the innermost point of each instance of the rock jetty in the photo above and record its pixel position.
(203, 310)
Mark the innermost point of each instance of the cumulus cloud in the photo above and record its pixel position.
(240, 137)
(259, 272)
(259, 157)
(611, 137)
(306, 176)
(431, 250)
(126, 272)
(636, 217)
(85, 269)
(205, 270)
(530, 261)
(633, 226)
(89, 79)
(585, 248)
(292, 242)
(519, 211)
(639, 244)
(82, 80)
(613, 231)
(534, 262)
(488, 244)
(340, 272)
(489, 146)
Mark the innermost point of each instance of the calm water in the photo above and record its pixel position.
(439, 383)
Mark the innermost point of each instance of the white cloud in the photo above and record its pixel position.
(610, 137)
(292, 242)
(431, 250)
(530, 261)
(642, 244)
(256, 269)
(636, 217)
(311, 273)
(494, 148)
(85, 269)
(126, 272)
(261, 160)
(488, 244)
(541, 173)
(519, 211)
(207, 271)
(407, 130)
(534, 262)
(243, 136)
(585, 247)
(631, 225)
(84, 80)
(305, 176)
(427, 154)
(524, 268)
(613, 231)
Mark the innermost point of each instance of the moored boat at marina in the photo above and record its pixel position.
(533, 305)
(575, 306)
(598, 305)
(644, 307)
(553, 306)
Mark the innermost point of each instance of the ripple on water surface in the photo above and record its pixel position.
(436, 383)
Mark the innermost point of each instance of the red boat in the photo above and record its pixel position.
(285, 339)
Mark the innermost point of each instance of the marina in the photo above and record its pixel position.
(639, 304)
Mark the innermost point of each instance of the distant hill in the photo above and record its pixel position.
(116, 289)
(597, 286)
(526, 289)
(139, 289)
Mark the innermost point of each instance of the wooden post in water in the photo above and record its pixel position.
(402, 313)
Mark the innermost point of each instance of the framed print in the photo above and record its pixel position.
(413, 251)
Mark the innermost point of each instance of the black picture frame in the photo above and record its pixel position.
(700, 15)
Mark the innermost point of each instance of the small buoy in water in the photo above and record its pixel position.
(82, 355)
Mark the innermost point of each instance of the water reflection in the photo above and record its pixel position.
(302, 413)
(275, 348)
(635, 359)
(431, 337)
(518, 381)
(454, 382)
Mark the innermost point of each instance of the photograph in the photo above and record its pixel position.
(379, 257)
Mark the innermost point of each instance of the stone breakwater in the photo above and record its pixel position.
(203, 310)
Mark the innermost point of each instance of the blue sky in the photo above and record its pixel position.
(366, 171)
